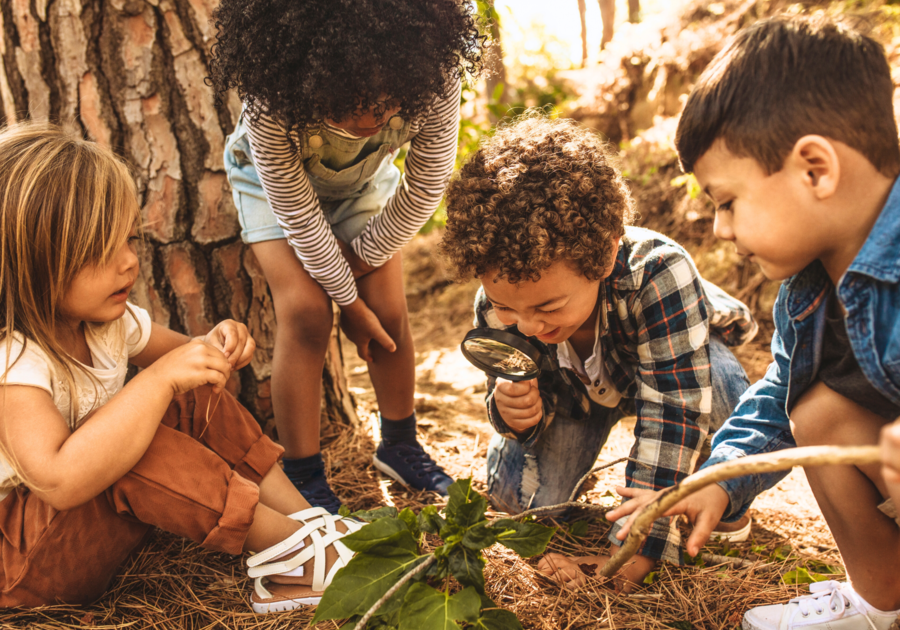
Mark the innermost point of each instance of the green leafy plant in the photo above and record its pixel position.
(390, 572)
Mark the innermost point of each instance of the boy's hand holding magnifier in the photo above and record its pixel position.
(519, 403)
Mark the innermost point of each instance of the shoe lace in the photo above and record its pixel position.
(418, 459)
(836, 595)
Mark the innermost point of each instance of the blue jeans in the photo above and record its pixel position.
(546, 473)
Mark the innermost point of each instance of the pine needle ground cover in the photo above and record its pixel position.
(173, 583)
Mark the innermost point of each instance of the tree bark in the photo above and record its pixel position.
(129, 74)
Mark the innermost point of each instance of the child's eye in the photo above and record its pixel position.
(550, 311)
(725, 207)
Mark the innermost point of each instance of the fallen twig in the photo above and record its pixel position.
(396, 587)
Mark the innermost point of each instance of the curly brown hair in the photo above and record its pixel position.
(537, 192)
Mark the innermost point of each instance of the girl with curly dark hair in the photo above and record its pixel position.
(331, 90)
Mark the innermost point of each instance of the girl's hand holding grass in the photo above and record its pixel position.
(189, 366)
(234, 340)
(519, 403)
(361, 326)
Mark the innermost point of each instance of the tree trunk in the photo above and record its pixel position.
(495, 70)
(129, 74)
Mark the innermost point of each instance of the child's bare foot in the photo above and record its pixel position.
(573, 571)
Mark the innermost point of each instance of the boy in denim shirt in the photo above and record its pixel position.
(539, 215)
(791, 133)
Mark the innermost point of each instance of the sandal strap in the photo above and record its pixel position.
(323, 533)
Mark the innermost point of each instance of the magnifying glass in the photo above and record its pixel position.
(504, 355)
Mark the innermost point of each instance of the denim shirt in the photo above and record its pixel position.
(870, 294)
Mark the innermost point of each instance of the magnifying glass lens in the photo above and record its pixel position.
(496, 356)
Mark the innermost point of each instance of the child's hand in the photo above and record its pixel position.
(573, 571)
(234, 340)
(361, 326)
(191, 365)
(519, 403)
(704, 510)
(890, 459)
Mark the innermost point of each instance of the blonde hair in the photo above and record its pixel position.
(65, 204)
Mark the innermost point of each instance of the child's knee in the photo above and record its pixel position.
(304, 323)
(823, 416)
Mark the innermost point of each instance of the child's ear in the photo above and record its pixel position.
(816, 162)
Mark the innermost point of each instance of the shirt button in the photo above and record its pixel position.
(315, 142)
(395, 123)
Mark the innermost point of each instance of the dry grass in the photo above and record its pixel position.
(173, 583)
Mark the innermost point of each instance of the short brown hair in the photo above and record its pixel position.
(786, 77)
(537, 192)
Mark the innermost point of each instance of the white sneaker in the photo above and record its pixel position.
(829, 606)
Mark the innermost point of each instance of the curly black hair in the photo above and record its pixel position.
(302, 61)
(537, 192)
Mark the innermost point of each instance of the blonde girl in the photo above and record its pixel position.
(90, 464)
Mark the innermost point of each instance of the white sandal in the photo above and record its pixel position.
(319, 527)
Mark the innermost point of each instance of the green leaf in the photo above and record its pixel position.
(526, 539)
(461, 493)
(343, 511)
(479, 537)
(370, 516)
(650, 578)
(381, 622)
(409, 517)
(425, 608)
(467, 566)
(362, 583)
(579, 529)
(498, 619)
(471, 513)
(430, 521)
(802, 576)
(384, 537)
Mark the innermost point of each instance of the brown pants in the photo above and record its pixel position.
(202, 488)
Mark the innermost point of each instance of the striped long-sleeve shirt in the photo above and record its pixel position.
(295, 204)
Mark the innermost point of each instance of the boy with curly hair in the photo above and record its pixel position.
(791, 132)
(332, 89)
(539, 215)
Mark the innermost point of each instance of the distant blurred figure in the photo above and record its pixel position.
(608, 15)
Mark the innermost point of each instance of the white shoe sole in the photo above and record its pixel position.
(284, 605)
(387, 470)
(741, 535)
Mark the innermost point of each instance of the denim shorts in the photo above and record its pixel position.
(347, 209)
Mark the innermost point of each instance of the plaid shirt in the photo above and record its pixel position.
(656, 315)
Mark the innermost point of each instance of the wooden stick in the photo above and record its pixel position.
(752, 464)
(396, 587)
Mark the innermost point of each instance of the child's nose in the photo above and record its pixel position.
(722, 227)
(530, 327)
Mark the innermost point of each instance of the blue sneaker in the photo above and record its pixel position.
(408, 463)
(319, 494)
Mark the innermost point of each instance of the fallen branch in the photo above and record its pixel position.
(750, 465)
(396, 587)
